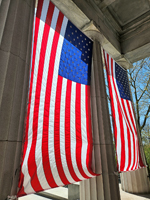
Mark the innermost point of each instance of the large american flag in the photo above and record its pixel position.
(58, 139)
(125, 131)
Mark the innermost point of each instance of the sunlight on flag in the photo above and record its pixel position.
(124, 125)
(58, 140)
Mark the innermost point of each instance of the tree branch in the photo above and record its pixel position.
(138, 72)
(145, 118)
(137, 105)
(144, 89)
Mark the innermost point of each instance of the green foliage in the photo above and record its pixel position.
(146, 143)
(147, 154)
(146, 135)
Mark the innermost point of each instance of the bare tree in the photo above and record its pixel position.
(139, 79)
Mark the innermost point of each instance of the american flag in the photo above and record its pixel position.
(125, 131)
(58, 139)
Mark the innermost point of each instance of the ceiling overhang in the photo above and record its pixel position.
(122, 26)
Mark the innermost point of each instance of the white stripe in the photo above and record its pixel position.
(38, 150)
(27, 186)
(55, 18)
(118, 150)
(132, 134)
(124, 124)
(64, 26)
(52, 113)
(126, 145)
(62, 132)
(135, 137)
(62, 116)
(73, 131)
(131, 108)
(84, 131)
(44, 10)
(126, 138)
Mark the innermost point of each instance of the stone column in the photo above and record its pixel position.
(16, 22)
(136, 181)
(105, 186)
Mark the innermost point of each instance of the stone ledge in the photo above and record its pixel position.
(60, 193)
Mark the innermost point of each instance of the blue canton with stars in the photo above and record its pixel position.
(76, 55)
(122, 82)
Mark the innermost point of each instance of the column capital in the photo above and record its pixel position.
(92, 30)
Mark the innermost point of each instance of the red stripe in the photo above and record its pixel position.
(123, 153)
(37, 22)
(45, 154)
(31, 161)
(111, 102)
(78, 129)
(21, 192)
(122, 111)
(111, 99)
(132, 117)
(135, 131)
(122, 164)
(45, 151)
(136, 154)
(89, 130)
(136, 145)
(57, 132)
(39, 9)
(132, 131)
(67, 131)
(109, 77)
(129, 131)
(45, 137)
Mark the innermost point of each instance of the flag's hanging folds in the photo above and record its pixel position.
(58, 141)
(125, 132)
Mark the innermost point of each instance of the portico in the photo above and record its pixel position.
(122, 28)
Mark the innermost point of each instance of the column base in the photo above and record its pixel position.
(136, 182)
